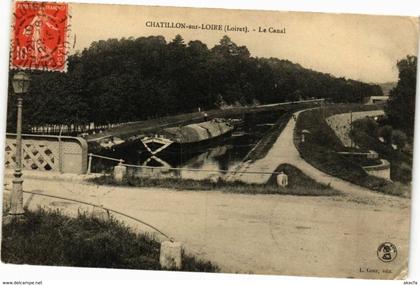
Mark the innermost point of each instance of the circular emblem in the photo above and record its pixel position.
(387, 252)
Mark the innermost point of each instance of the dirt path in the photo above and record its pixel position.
(284, 151)
(266, 234)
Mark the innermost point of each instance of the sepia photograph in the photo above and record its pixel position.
(209, 140)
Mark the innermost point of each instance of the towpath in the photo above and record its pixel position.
(284, 151)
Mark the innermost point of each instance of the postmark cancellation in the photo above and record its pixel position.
(39, 36)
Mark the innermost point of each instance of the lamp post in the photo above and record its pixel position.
(20, 84)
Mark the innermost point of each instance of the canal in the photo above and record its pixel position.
(212, 160)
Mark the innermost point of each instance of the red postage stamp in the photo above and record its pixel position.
(39, 36)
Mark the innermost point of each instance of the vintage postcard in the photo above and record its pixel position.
(209, 140)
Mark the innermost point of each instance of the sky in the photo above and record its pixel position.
(359, 47)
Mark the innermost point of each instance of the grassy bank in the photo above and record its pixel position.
(299, 184)
(297, 179)
(50, 238)
(321, 145)
(267, 141)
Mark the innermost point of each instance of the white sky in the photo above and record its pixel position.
(355, 46)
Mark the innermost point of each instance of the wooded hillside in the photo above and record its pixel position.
(134, 79)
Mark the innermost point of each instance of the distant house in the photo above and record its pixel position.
(370, 100)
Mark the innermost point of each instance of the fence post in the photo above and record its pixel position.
(282, 179)
(89, 169)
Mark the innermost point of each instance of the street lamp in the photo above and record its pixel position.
(20, 85)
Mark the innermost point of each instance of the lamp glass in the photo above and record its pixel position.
(20, 82)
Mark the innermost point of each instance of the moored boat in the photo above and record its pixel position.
(188, 137)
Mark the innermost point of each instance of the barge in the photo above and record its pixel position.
(188, 138)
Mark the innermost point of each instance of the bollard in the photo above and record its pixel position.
(120, 171)
(282, 179)
(89, 169)
(100, 213)
(170, 255)
(214, 178)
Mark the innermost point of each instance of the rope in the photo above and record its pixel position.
(106, 157)
(100, 206)
(198, 170)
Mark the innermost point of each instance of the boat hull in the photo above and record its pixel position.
(193, 138)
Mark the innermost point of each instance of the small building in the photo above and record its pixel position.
(370, 100)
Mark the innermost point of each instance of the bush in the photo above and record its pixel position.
(386, 133)
(401, 163)
(399, 139)
(367, 125)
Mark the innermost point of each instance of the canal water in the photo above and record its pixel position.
(209, 162)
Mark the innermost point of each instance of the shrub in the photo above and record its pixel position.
(367, 125)
(386, 133)
(401, 162)
(399, 139)
(50, 238)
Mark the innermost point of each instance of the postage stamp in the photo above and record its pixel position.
(39, 36)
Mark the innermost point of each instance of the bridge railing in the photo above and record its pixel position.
(48, 153)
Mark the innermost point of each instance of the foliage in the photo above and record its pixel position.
(131, 79)
(399, 138)
(386, 133)
(368, 125)
(50, 238)
(401, 106)
(401, 162)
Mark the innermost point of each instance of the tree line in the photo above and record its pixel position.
(401, 107)
(132, 79)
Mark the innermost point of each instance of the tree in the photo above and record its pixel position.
(120, 80)
(401, 106)
(227, 47)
